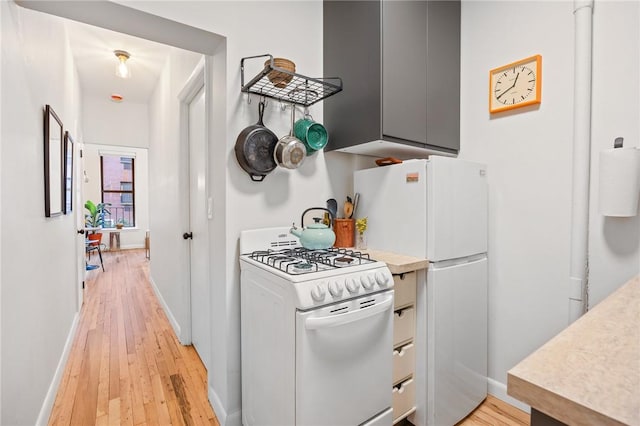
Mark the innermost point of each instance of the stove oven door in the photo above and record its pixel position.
(344, 363)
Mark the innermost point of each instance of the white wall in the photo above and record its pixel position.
(613, 242)
(111, 123)
(38, 269)
(529, 157)
(1, 215)
(129, 237)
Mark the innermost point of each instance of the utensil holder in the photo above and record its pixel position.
(343, 228)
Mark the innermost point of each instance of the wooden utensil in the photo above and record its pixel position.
(388, 161)
(348, 208)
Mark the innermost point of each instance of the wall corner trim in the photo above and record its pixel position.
(499, 390)
(50, 397)
(172, 319)
(224, 418)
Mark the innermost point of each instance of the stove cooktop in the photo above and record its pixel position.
(272, 256)
(298, 260)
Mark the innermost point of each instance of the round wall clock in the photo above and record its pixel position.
(515, 85)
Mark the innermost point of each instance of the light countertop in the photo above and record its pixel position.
(589, 373)
(398, 263)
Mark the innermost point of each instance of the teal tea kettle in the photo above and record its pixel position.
(316, 236)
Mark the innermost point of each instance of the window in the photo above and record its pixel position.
(127, 162)
(118, 189)
(126, 198)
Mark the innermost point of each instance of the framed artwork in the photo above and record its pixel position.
(68, 173)
(53, 164)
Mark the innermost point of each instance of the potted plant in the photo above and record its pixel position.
(95, 216)
(120, 223)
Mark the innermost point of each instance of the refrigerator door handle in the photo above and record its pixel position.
(459, 261)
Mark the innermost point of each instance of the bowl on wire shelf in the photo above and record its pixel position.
(278, 78)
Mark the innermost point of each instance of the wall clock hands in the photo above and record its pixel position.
(515, 80)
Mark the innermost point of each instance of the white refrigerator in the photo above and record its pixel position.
(437, 209)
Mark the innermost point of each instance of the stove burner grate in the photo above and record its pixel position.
(302, 267)
(277, 260)
(299, 260)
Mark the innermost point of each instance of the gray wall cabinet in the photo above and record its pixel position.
(400, 66)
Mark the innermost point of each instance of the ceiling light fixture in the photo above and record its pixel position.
(122, 70)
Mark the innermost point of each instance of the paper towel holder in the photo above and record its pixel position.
(617, 143)
(619, 182)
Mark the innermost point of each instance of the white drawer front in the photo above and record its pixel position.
(404, 324)
(404, 361)
(405, 289)
(404, 397)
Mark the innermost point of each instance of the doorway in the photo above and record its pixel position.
(175, 299)
(78, 205)
(193, 118)
(173, 288)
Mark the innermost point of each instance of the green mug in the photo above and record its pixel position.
(312, 134)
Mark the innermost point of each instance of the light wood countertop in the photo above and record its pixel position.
(589, 374)
(398, 263)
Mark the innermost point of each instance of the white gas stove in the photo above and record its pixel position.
(320, 277)
(316, 333)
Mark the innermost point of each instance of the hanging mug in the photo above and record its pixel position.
(312, 134)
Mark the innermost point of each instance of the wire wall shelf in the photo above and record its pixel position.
(278, 83)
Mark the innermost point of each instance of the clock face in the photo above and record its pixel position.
(515, 85)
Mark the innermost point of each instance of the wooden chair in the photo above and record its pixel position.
(95, 244)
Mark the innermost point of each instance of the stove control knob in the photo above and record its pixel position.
(382, 279)
(352, 285)
(318, 293)
(367, 281)
(336, 289)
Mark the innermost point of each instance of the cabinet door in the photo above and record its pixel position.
(443, 74)
(352, 52)
(404, 70)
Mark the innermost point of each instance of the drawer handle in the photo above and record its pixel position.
(403, 350)
(401, 313)
(401, 387)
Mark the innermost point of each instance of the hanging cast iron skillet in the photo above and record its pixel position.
(254, 148)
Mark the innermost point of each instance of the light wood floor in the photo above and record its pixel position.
(494, 412)
(126, 365)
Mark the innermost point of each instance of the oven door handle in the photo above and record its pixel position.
(346, 318)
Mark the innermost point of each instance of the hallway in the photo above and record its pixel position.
(126, 365)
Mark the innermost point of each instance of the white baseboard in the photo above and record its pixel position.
(172, 320)
(128, 247)
(132, 246)
(224, 418)
(50, 397)
(499, 390)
